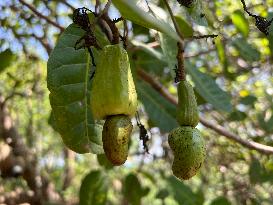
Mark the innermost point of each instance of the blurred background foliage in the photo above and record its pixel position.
(233, 81)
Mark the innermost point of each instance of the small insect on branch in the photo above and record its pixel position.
(261, 23)
(143, 134)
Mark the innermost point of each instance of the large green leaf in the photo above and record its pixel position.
(135, 193)
(208, 89)
(240, 22)
(104, 162)
(161, 112)
(247, 52)
(129, 10)
(93, 189)
(169, 48)
(221, 52)
(182, 193)
(68, 72)
(6, 58)
(248, 100)
(258, 172)
(184, 26)
(220, 201)
(144, 47)
(162, 194)
(237, 115)
(265, 124)
(196, 12)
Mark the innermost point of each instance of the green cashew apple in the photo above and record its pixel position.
(189, 151)
(187, 109)
(115, 137)
(113, 90)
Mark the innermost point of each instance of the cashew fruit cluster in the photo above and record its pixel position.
(185, 141)
(114, 99)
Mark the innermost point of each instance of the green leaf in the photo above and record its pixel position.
(208, 89)
(246, 51)
(184, 27)
(138, 30)
(220, 201)
(248, 100)
(221, 52)
(162, 194)
(258, 173)
(159, 110)
(169, 48)
(132, 190)
(147, 61)
(151, 51)
(255, 171)
(182, 193)
(266, 125)
(237, 115)
(200, 100)
(148, 176)
(196, 12)
(270, 39)
(130, 11)
(104, 162)
(6, 58)
(94, 189)
(208, 15)
(240, 22)
(52, 121)
(68, 72)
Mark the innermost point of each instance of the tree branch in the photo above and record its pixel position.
(264, 149)
(37, 13)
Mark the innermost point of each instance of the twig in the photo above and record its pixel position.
(247, 143)
(67, 4)
(13, 94)
(104, 15)
(173, 19)
(261, 23)
(245, 9)
(105, 9)
(149, 8)
(156, 85)
(114, 29)
(43, 42)
(118, 19)
(203, 36)
(125, 34)
(41, 15)
(180, 72)
(264, 149)
(97, 6)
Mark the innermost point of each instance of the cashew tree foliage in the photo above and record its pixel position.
(133, 102)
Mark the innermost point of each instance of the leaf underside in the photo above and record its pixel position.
(68, 72)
